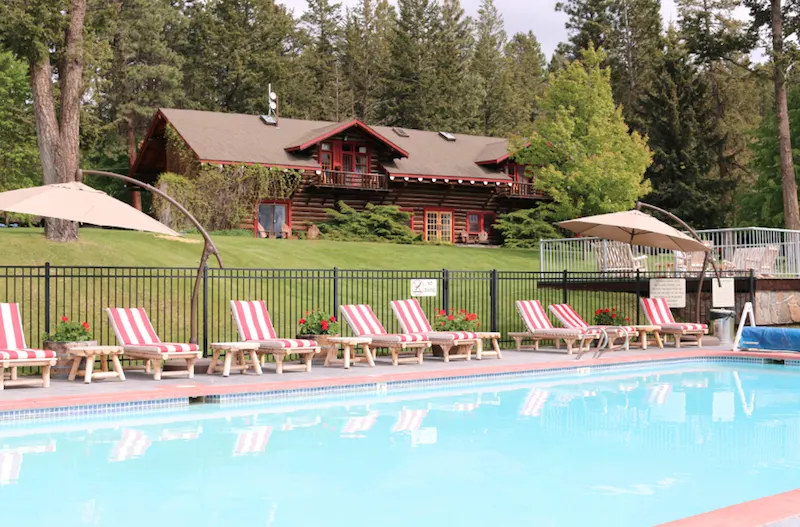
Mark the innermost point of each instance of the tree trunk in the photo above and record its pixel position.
(130, 133)
(791, 209)
(59, 143)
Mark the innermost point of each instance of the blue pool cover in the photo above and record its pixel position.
(776, 339)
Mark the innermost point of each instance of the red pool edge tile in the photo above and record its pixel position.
(755, 513)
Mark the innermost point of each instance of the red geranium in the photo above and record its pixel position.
(606, 310)
(85, 326)
(301, 321)
(613, 315)
(332, 319)
(597, 312)
(451, 318)
(324, 324)
(64, 319)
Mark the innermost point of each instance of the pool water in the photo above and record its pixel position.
(631, 448)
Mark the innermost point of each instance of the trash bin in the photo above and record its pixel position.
(723, 325)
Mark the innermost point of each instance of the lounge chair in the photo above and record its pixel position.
(15, 354)
(254, 325)
(452, 345)
(571, 319)
(364, 323)
(416, 320)
(617, 258)
(540, 328)
(138, 339)
(658, 314)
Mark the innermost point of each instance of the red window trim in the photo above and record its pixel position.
(482, 214)
(336, 154)
(286, 202)
(425, 212)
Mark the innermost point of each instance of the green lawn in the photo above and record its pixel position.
(124, 248)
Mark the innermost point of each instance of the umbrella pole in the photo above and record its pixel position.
(208, 247)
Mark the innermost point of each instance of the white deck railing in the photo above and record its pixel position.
(768, 252)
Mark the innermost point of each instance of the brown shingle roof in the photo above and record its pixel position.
(240, 138)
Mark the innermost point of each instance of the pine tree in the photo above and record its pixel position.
(528, 75)
(679, 113)
(323, 23)
(412, 72)
(455, 92)
(590, 22)
(144, 73)
(366, 57)
(489, 66)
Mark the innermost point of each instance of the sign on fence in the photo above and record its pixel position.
(673, 289)
(423, 287)
(723, 293)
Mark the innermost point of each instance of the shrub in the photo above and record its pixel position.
(609, 317)
(68, 331)
(375, 223)
(524, 228)
(318, 322)
(462, 320)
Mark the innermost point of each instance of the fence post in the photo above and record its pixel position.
(336, 291)
(47, 326)
(752, 288)
(564, 286)
(445, 289)
(205, 310)
(494, 300)
(638, 295)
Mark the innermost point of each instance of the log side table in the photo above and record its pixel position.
(350, 345)
(644, 330)
(234, 350)
(90, 353)
(488, 335)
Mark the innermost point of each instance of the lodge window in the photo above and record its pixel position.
(439, 225)
(272, 216)
(478, 222)
(517, 172)
(345, 157)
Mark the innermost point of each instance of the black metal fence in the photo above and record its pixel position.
(47, 293)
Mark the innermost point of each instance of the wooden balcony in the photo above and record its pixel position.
(350, 180)
(521, 191)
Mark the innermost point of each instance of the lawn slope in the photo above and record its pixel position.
(125, 248)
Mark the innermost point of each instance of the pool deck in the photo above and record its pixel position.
(782, 510)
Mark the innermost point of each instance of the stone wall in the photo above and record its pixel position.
(772, 308)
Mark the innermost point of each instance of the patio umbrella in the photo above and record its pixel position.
(636, 228)
(78, 202)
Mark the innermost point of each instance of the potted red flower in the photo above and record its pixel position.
(461, 320)
(66, 335)
(610, 317)
(320, 326)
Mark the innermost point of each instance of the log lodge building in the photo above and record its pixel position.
(453, 185)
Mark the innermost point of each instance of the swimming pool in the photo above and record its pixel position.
(629, 448)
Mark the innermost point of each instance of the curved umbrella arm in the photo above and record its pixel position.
(208, 247)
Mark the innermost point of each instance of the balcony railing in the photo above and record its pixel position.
(521, 190)
(350, 180)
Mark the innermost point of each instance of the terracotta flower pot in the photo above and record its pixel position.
(64, 362)
(323, 342)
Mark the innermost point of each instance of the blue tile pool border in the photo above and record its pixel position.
(347, 390)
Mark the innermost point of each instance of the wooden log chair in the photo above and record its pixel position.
(570, 318)
(404, 347)
(658, 313)
(139, 340)
(448, 345)
(254, 325)
(14, 353)
(540, 328)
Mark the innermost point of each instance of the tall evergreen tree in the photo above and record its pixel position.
(366, 56)
(489, 66)
(456, 90)
(233, 48)
(412, 74)
(527, 71)
(589, 22)
(323, 23)
(679, 113)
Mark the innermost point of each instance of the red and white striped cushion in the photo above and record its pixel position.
(533, 315)
(396, 337)
(132, 326)
(411, 317)
(19, 354)
(11, 334)
(163, 347)
(362, 320)
(568, 316)
(287, 343)
(252, 320)
(451, 335)
(686, 327)
(657, 311)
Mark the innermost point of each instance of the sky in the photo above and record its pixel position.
(538, 16)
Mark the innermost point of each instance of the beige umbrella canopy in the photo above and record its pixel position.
(634, 227)
(78, 202)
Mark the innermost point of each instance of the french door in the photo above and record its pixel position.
(439, 226)
(271, 219)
